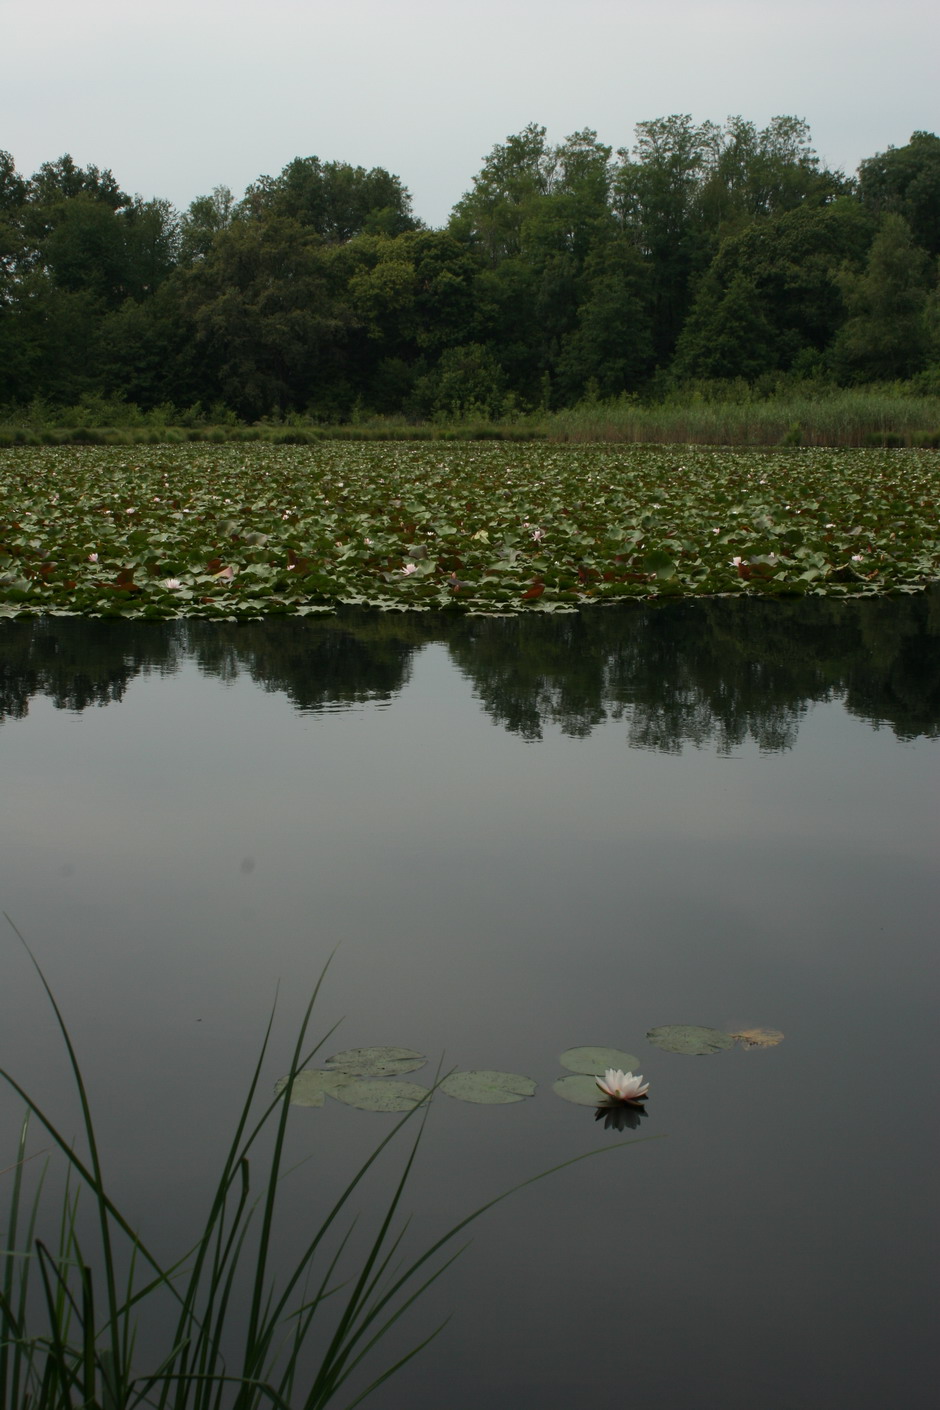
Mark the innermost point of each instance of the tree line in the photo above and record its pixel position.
(567, 272)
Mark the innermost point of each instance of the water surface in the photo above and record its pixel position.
(522, 835)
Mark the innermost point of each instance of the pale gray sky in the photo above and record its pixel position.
(184, 95)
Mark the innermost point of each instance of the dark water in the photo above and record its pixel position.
(523, 835)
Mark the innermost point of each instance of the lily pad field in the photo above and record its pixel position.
(248, 530)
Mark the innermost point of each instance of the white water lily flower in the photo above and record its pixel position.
(172, 584)
(622, 1086)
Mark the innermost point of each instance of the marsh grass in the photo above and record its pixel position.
(239, 1333)
(843, 417)
(717, 414)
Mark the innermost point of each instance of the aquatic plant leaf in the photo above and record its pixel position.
(488, 1088)
(597, 1060)
(377, 1094)
(101, 534)
(376, 1062)
(311, 1086)
(579, 1088)
(758, 1037)
(660, 563)
(688, 1038)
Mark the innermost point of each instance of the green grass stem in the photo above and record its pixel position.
(83, 1353)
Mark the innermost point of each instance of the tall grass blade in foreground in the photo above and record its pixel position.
(239, 1336)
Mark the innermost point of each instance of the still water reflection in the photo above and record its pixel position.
(524, 835)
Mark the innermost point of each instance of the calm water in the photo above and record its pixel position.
(523, 836)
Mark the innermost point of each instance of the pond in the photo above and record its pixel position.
(518, 836)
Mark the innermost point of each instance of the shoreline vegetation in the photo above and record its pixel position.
(712, 284)
(719, 414)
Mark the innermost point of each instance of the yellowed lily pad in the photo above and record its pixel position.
(376, 1094)
(597, 1060)
(579, 1088)
(689, 1038)
(758, 1037)
(488, 1088)
(312, 1085)
(376, 1062)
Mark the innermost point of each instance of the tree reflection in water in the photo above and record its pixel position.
(712, 671)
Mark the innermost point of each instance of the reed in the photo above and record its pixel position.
(238, 1330)
(841, 417)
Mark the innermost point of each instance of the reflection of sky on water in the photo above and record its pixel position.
(499, 901)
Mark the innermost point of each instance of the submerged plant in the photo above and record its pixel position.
(69, 1317)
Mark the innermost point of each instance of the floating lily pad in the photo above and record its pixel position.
(597, 1060)
(376, 1062)
(311, 1085)
(378, 1095)
(488, 1088)
(579, 1088)
(660, 563)
(687, 1038)
(758, 1037)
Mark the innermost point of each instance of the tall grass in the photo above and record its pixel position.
(238, 1333)
(842, 417)
(724, 414)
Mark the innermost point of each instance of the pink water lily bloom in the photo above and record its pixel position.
(622, 1086)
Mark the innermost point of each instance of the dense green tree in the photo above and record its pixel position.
(771, 296)
(534, 216)
(514, 175)
(111, 254)
(506, 315)
(704, 250)
(12, 247)
(413, 292)
(146, 351)
(335, 199)
(466, 382)
(611, 349)
(887, 334)
(751, 175)
(655, 197)
(200, 224)
(12, 200)
(269, 326)
(685, 187)
(62, 180)
(906, 181)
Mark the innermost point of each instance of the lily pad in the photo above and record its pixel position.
(312, 1085)
(660, 563)
(688, 1038)
(597, 1060)
(579, 1088)
(488, 1088)
(374, 1094)
(376, 1062)
(758, 1037)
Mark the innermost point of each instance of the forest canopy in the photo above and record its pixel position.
(566, 272)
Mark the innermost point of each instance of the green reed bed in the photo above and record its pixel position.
(247, 531)
(715, 414)
(841, 418)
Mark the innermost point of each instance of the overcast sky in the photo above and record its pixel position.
(180, 96)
